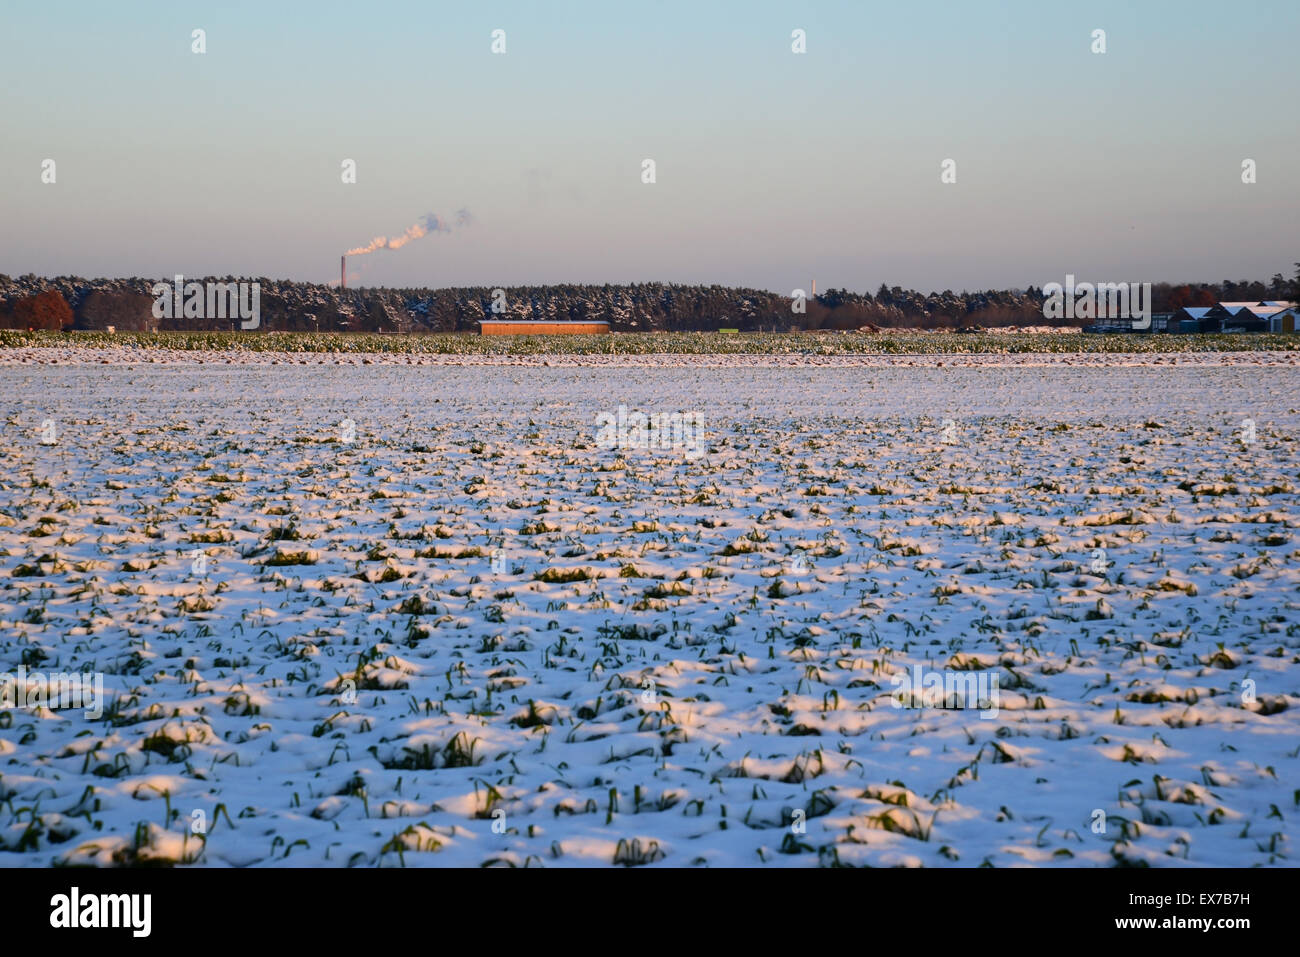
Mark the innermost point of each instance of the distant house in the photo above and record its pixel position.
(1284, 320)
(1237, 317)
(1265, 316)
(541, 327)
(1108, 324)
(1192, 319)
(1280, 316)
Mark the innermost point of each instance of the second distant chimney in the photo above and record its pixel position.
(343, 272)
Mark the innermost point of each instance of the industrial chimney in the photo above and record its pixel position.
(343, 272)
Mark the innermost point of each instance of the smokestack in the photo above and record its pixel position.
(343, 272)
(814, 295)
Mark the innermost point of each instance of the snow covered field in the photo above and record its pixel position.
(388, 613)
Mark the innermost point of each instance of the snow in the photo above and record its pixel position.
(375, 667)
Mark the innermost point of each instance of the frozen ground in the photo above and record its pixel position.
(76, 354)
(670, 660)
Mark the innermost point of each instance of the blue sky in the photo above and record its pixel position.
(773, 169)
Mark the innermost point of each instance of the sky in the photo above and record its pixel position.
(772, 169)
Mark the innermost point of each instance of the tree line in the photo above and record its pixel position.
(68, 302)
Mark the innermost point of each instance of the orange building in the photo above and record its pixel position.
(542, 327)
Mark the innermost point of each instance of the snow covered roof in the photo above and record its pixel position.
(1255, 304)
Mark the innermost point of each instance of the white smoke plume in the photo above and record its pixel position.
(429, 223)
